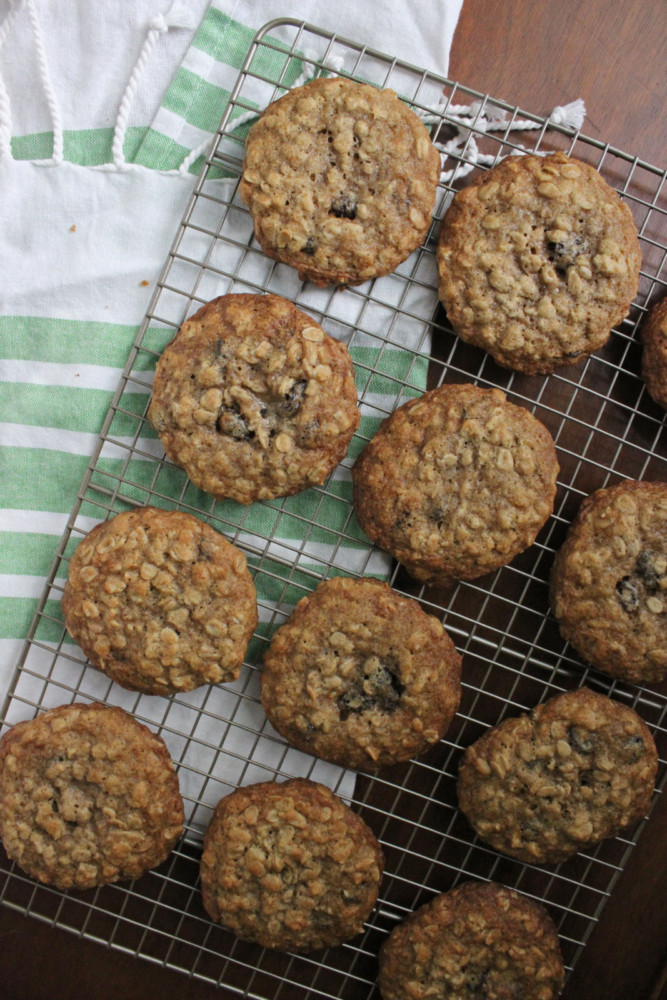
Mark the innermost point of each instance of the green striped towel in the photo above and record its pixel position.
(85, 239)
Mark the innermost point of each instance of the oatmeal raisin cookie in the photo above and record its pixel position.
(654, 354)
(361, 676)
(160, 601)
(538, 259)
(88, 796)
(456, 483)
(541, 787)
(609, 582)
(289, 866)
(253, 399)
(475, 942)
(340, 179)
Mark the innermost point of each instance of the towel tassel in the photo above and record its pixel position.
(178, 16)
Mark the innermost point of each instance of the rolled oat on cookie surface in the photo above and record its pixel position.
(253, 399)
(538, 259)
(160, 601)
(88, 796)
(456, 483)
(289, 866)
(340, 179)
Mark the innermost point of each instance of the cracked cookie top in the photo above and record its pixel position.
(360, 675)
(654, 353)
(537, 260)
(253, 399)
(475, 942)
(456, 483)
(160, 601)
(289, 866)
(340, 180)
(88, 796)
(609, 582)
(541, 787)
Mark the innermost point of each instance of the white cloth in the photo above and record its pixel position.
(85, 244)
(91, 48)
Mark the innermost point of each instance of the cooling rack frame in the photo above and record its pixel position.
(606, 429)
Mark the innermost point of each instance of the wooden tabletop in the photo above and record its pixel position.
(536, 54)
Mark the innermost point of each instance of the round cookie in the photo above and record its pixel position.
(609, 582)
(456, 483)
(476, 941)
(654, 354)
(540, 787)
(340, 179)
(160, 601)
(253, 399)
(289, 866)
(88, 796)
(537, 260)
(361, 676)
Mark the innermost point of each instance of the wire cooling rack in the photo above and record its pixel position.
(605, 427)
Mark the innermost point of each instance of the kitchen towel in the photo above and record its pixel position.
(104, 112)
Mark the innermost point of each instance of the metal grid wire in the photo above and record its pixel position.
(606, 429)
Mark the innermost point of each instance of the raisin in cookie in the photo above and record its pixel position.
(87, 796)
(654, 354)
(361, 676)
(289, 866)
(538, 259)
(476, 941)
(160, 601)
(609, 582)
(340, 179)
(578, 769)
(253, 399)
(456, 483)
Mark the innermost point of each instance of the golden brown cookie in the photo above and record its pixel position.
(578, 769)
(289, 866)
(538, 259)
(160, 601)
(87, 796)
(654, 354)
(456, 483)
(361, 676)
(609, 582)
(340, 179)
(253, 399)
(476, 942)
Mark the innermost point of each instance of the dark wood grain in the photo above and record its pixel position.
(537, 54)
